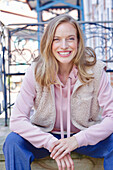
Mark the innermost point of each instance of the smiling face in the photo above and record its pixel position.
(65, 43)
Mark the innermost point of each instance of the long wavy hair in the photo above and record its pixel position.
(46, 64)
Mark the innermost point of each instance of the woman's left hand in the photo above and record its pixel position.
(65, 163)
(63, 146)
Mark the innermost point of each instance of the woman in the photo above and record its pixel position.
(72, 100)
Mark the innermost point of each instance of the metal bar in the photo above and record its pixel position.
(64, 7)
(71, 5)
(42, 23)
(13, 13)
(82, 15)
(94, 22)
(54, 3)
(15, 74)
(7, 107)
(9, 61)
(38, 18)
(29, 24)
(5, 90)
(18, 64)
(109, 71)
(82, 10)
(47, 6)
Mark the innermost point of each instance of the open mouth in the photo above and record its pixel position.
(64, 54)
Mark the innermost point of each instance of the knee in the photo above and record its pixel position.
(109, 142)
(110, 138)
(11, 140)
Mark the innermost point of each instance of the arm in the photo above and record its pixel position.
(20, 120)
(95, 133)
(20, 117)
(99, 132)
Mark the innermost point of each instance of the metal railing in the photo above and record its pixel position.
(21, 47)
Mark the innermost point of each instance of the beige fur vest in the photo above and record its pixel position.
(85, 110)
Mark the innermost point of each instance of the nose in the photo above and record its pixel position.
(64, 44)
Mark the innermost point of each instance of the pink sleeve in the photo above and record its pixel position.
(99, 132)
(20, 117)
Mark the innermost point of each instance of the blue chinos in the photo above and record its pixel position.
(19, 153)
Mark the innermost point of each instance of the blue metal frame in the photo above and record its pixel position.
(68, 5)
(56, 2)
(82, 10)
(38, 18)
(51, 5)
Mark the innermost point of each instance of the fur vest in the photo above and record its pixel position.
(85, 110)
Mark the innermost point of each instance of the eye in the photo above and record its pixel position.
(71, 38)
(56, 39)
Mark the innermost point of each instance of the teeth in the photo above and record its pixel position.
(64, 53)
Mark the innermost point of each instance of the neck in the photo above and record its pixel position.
(64, 70)
(63, 73)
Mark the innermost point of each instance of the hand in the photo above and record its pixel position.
(62, 147)
(65, 162)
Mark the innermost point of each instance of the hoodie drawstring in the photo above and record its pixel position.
(61, 115)
(68, 110)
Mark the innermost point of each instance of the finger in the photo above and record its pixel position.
(71, 161)
(54, 144)
(59, 164)
(67, 162)
(59, 152)
(63, 164)
(55, 150)
(66, 151)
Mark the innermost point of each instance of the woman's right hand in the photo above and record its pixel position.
(65, 163)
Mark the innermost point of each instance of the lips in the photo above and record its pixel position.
(64, 53)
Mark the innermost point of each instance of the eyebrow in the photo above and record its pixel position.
(67, 36)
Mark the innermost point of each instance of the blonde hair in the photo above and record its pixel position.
(47, 66)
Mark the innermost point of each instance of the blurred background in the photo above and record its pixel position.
(22, 23)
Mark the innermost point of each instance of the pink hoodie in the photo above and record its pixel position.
(20, 118)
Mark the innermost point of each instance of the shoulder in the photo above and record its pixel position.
(99, 65)
(98, 68)
(37, 64)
